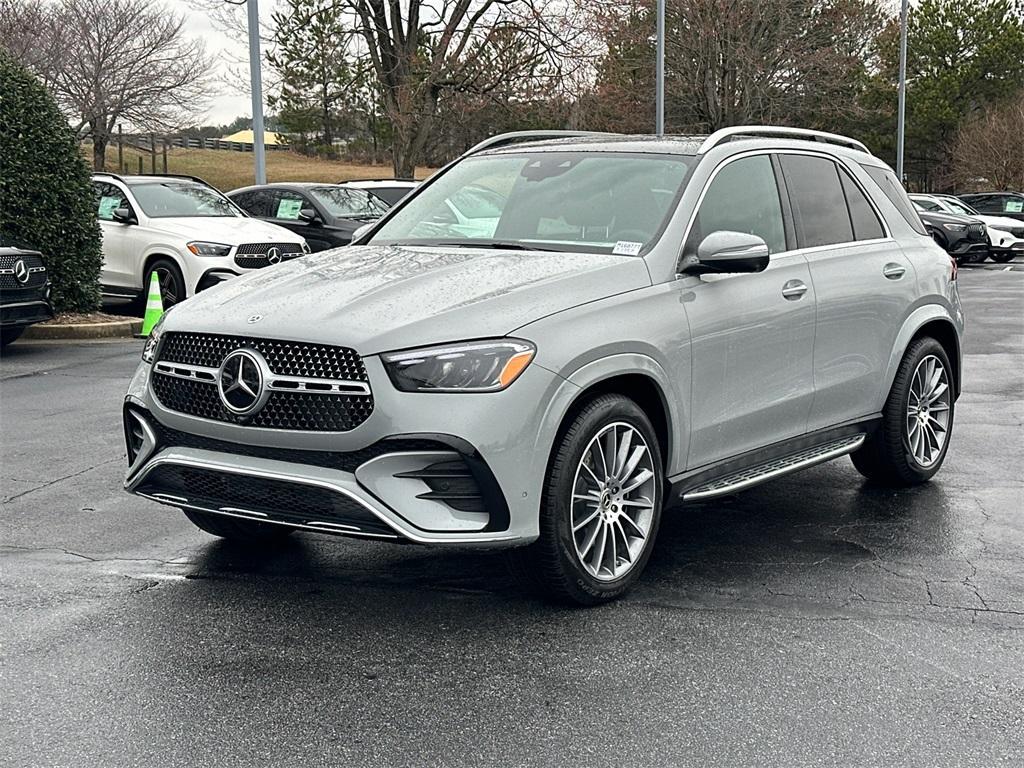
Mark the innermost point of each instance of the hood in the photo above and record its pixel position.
(380, 298)
(230, 230)
(1001, 222)
(937, 217)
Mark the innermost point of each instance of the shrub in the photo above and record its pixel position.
(46, 198)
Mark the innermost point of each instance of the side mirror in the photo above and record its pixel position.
(308, 215)
(124, 216)
(726, 252)
(361, 231)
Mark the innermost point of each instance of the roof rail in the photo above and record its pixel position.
(739, 131)
(516, 136)
(119, 177)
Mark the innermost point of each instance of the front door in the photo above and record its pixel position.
(117, 271)
(752, 335)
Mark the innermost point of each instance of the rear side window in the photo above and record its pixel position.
(819, 205)
(742, 198)
(891, 187)
(866, 225)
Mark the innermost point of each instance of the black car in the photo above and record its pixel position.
(24, 292)
(964, 238)
(1010, 204)
(325, 214)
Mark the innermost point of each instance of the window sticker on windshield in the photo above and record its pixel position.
(627, 248)
(289, 209)
(1015, 206)
(107, 207)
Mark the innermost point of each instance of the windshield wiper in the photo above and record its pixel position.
(496, 244)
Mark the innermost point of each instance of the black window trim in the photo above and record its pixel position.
(786, 208)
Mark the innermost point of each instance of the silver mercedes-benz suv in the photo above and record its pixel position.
(608, 327)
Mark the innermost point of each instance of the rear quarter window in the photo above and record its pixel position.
(892, 189)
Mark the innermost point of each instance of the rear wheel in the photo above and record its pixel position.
(600, 508)
(238, 530)
(917, 421)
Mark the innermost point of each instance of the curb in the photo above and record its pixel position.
(122, 329)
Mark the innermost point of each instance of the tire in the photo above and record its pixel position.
(10, 335)
(892, 455)
(248, 531)
(172, 284)
(567, 566)
(1002, 258)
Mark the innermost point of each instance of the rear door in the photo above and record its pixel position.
(752, 335)
(863, 282)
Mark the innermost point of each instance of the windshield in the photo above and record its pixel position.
(961, 208)
(166, 199)
(349, 203)
(390, 195)
(560, 201)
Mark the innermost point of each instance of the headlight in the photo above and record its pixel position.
(305, 247)
(153, 340)
(473, 366)
(955, 227)
(200, 248)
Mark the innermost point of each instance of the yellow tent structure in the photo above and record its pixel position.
(246, 137)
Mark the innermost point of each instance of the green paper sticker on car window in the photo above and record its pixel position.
(289, 209)
(107, 207)
(1015, 206)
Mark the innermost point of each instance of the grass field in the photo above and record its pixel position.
(228, 170)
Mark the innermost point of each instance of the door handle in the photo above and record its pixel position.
(893, 271)
(794, 289)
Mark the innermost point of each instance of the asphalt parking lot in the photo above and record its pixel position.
(816, 620)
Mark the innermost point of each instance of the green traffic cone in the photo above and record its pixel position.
(154, 307)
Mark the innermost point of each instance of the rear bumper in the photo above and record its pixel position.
(20, 313)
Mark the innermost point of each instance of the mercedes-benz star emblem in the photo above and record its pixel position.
(273, 254)
(241, 382)
(21, 272)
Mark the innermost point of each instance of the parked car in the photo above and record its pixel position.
(182, 230)
(1005, 236)
(24, 292)
(653, 321)
(388, 190)
(963, 238)
(1009, 204)
(325, 215)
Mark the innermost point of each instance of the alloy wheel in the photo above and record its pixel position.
(168, 287)
(613, 500)
(928, 405)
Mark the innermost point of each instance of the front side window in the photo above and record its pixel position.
(1012, 204)
(349, 203)
(286, 205)
(589, 202)
(109, 198)
(926, 205)
(170, 199)
(742, 197)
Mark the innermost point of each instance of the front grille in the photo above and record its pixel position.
(305, 411)
(256, 255)
(278, 499)
(345, 461)
(8, 281)
(976, 232)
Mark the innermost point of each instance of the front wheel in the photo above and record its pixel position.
(917, 421)
(1003, 258)
(172, 284)
(10, 335)
(601, 505)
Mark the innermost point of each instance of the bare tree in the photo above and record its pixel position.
(30, 31)
(421, 50)
(989, 148)
(129, 63)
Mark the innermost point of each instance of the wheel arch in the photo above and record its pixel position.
(934, 321)
(943, 331)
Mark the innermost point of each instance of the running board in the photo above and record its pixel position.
(745, 478)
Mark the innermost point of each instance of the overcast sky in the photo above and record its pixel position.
(231, 70)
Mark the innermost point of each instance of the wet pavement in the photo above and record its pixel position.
(816, 620)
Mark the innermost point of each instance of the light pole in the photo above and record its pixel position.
(255, 74)
(902, 106)
(659, 88)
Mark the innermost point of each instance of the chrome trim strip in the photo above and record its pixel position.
(842, 447)
(371, 505)
(317, 386)
(187, 371)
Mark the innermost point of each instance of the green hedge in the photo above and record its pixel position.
(46, 199)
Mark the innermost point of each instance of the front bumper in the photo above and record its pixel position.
(406, 473)
(968, 247)
(18, 313)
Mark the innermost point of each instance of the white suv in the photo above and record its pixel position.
(183, 230)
